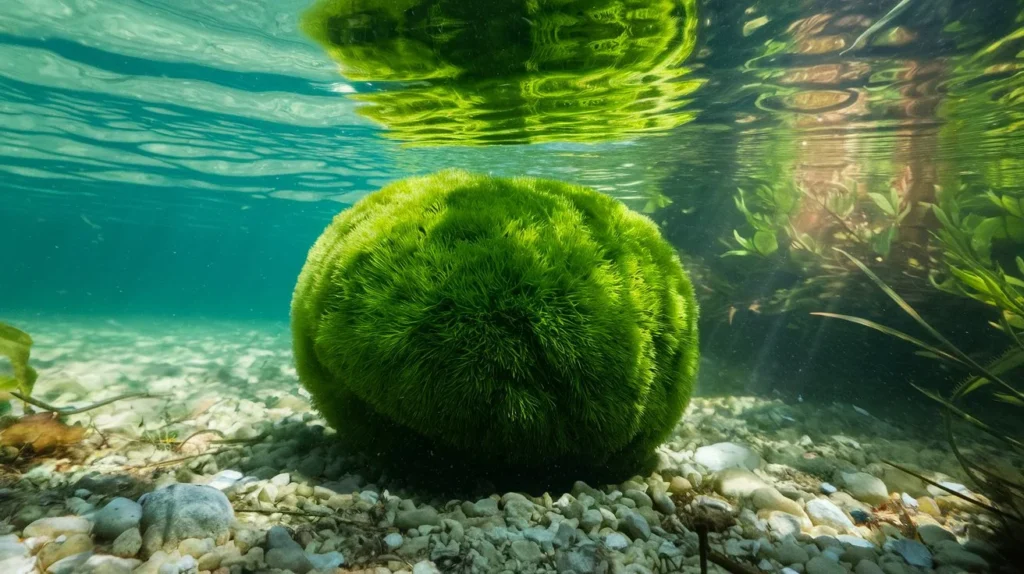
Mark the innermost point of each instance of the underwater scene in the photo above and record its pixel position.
(511, 286)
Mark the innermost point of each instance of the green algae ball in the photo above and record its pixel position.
(510, 323)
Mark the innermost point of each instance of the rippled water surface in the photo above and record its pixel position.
(179, 157)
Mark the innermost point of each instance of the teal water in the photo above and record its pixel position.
(175, 159)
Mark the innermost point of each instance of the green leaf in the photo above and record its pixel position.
(893, 332)
(8, 383)
(765, 242)
(882, 243)
(1013, 205)
(745, 243)
(1020, 265)
(1009, 399)
(883, 203)
(736, 253)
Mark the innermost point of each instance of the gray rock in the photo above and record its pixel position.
(179, 511)
(865, 487)
(737, 483)
(932, 534)
(294, 560)
(789, 552)
(591, 519)
(725, 455)
(868, 567)
(827, 488)
(616, 541)
(663, 503)
(425, 567)
(128, 544)
(541, 536)
(953, 555)
(70, 564)
(822, 565)
(408, 519)
(912, 551)
(822, 512)
(783, 524)
(224, 479)
(635, 525)
(326, 562)
(119, 515)
(279, 538)
(100, 564)
(55, 526)
(526, 551)
(582, 560)
(393, 541)
(639, 497)
(565, 536)
(481, 508)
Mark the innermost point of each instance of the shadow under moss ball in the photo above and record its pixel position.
(511, 323)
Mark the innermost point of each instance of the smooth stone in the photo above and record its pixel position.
(591, 519)
(823, 512)
(822, 565)
(224, 479)
(119, 515)
(393, 541)
(585, 559)
(898, 481)
(865, 487)
(927, 505)
(425, 567)
(953, 555)
(294, 560)
(663, 503)
(481, 508)
(679, 485)
(868, 567)
(912, 551)
(128, 544)
(932, 534)
(616, 541)
(409, 519)
(789, 552)
(100, 564)
(783, 524)
(723, 455)
(58, 550)
(55, 526)
(827, 488)
(565, 536)
(73, 564)
(179, 511)
(771, 499)
(326, 562)
(526, 551)
(737, 483)
(635, 526)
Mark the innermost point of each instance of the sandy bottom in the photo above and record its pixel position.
(808, 490)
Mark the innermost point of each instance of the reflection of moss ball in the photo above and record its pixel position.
(515, 71)
(513, 322)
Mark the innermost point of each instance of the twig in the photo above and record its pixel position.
(876, 26)
(702, 537)
(974, 501)
(183, 458)
(73, 411)
(729, 564)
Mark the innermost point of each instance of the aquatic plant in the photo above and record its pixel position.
(16, 345)
(578, 70)
(1009, 490)
(508, 323)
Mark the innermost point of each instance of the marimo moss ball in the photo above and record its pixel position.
(508, 323)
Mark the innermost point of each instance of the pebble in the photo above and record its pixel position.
(409, 519)
(789, 552)
(128, 544)
(868, 567)
(769, 498)
(591, 519)
(179, 511)
(679, 485)
(827, 488)
(663, 503)
(54, 527)
(616, 541)
(951, 554)
(725, 455)
(635, 526)
(526, 551)
(821, 511)
(783, 524)
(865, 487)
(932, 534)
(393, 541)
(59, 549)
(119, 515)
(224, 479)
(912, 551)
(822, 565)
(736, 483)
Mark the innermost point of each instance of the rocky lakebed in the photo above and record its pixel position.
(226, 469)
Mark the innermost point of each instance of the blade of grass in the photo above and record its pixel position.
(938, 353)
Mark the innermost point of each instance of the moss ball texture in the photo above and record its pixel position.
(514, 323)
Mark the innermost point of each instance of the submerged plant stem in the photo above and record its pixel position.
(72, 411)
(974, 501)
